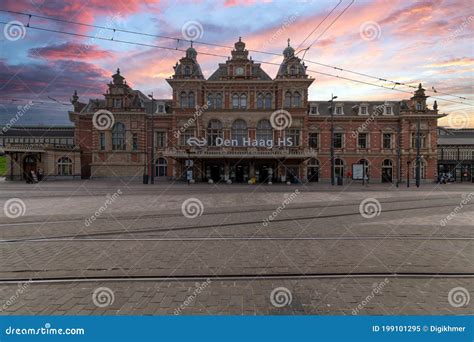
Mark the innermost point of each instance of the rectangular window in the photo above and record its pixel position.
(117, 103)
(160, 139)
(363, 110)
(189, 133)
(314, 110)
(102, 141)
(388, 110)
(422, 140)
(293, 136)
(387, 140)
(338, 110)
(134, 141)
(338, 140)
(313, 140)
(362, 140)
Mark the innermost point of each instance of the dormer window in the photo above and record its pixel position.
(364, 110)
(117, 103)
(296, 100)
(419, 106)
(191, 100)
(183, 100)
(187, 71)
(338, 110)
(287, 99)
(293, 70)
(161, 109)
(313, 110)
(388, 110)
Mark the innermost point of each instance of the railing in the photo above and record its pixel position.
(37, 147)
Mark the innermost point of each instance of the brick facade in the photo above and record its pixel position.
(237, 103)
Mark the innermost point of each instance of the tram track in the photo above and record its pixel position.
(233, 277)
(212, 225)
(134, 217)
(250, 238)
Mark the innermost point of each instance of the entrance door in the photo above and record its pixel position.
(386, 175)
(29, 164)
(241, 173)
(292, 173)
(215, 173)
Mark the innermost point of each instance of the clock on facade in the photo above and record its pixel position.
(239, 71)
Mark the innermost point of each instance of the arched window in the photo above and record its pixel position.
(268, 101)
(214, 131)
(239, 131)
(365, 162)
(219, 101)
(64, 166)
(313, 170)
(161, 168)
(211, 101)
(422, 169)
(183, 100)
(387, 171)
(292, 70)
(338, 168)
(296, 99)
(235, 101)
(191, 100)
(264, 130)
(288, 99)
(260, 101)
(243, 101)
(118, 137)
(187, 70)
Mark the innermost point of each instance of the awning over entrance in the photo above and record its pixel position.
(241, 153)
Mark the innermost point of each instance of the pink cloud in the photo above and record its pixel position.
(70, 51)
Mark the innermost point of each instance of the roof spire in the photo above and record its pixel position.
(288, 42)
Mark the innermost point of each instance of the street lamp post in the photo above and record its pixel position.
(418, 158)
(152, 161)
(332, 136)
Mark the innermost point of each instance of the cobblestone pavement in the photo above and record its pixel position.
(330, 256)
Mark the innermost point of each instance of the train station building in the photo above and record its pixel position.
(241, 124)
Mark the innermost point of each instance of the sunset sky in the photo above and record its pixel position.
(405, 41)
